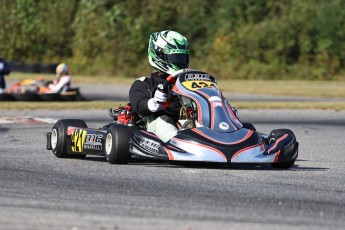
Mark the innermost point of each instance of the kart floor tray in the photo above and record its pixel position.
(6, 97)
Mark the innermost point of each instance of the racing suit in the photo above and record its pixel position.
(162, 122)
(60, 84)
(4, 70)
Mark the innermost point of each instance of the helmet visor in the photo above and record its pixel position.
(181, 60)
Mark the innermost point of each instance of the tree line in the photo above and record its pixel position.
(245, 39)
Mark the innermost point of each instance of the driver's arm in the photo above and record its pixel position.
(63, 81)
(139, 95)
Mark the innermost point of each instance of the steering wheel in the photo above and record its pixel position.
(172, 77)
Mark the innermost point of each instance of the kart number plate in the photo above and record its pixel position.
(196, 85)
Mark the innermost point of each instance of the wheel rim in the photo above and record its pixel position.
(108, 143)
(53, 139)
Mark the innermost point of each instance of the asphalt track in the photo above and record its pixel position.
(40, 191)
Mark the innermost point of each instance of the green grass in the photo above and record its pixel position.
(328, 89)
(83, 105)
(76, 79)
(337, 106)
(104, 105)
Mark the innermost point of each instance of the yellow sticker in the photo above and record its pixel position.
(78, 138)
(196, 85)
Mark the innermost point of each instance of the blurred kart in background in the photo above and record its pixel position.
(33, 90)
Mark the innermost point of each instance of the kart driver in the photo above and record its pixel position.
(63, 79)
(4, 70)
(167, 52)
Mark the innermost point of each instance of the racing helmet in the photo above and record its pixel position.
(62, 69)
(168, 51)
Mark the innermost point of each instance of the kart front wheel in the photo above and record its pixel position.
(117, 144)
(58, 137)
(272, 137)
(283, 165)
(249, 126)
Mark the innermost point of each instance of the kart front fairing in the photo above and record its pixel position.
(213, 110)
(216, 134)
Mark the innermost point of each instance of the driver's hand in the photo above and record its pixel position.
(154, 106)
(160, 97)
(156, 103)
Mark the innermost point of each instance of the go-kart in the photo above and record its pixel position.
(210, 131)
(32, 90)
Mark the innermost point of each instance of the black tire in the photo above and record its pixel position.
(249, 126)
(272, 137)
(59, 137)
(286, 165)
(6, 97)
(276, 133)
(117, 144)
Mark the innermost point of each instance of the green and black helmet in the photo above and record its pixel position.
(168, 51)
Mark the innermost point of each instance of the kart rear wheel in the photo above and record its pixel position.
(59, 137)
(117, 144)
(272, 137)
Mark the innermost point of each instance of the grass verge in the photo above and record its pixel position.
(324, 89)
(76, 79)
(337, 106)
(84, 105)
(318, 89)
(20, 105)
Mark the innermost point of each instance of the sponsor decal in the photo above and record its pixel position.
(93, 141)
(70, 130)
(197, 77)
(216, 101)
(78, 138)
(150, 145)
(175, 51)
(82, 140)
(223, 126)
